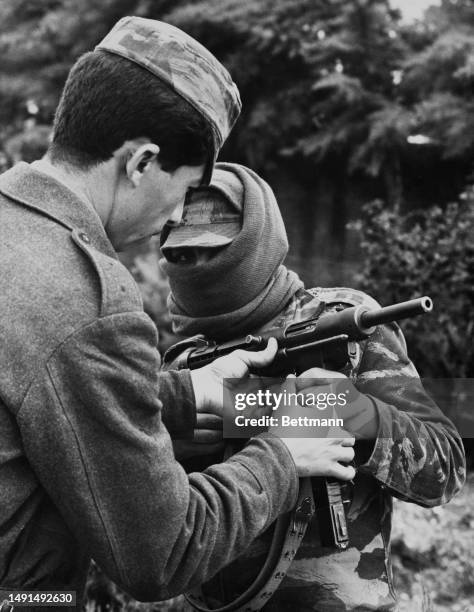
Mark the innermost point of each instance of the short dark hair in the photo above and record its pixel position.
(108, 100)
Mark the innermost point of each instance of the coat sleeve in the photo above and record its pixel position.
(92, 430)
(176, 395)
(418, 453)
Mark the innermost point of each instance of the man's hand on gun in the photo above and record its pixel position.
(312, 456)
(208, 384)
(358, 411)
(335, 449)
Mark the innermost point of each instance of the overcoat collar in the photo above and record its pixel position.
(49, 197)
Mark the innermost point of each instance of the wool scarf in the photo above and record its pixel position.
(245, 284)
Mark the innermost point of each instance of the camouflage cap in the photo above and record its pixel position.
(184, 64)
(212, 216)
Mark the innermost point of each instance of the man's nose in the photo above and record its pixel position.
(176, 215)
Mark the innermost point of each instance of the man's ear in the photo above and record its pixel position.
(140, 160)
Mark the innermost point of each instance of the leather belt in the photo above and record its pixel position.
(278, 560)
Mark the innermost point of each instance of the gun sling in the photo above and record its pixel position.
(287, 537)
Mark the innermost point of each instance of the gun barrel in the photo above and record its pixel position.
(404, 310)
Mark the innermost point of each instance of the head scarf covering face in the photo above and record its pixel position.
(245, 283)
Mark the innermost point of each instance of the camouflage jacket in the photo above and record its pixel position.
(417, 456)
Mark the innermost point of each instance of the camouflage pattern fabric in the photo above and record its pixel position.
(179, 60)
(206, 222)
(418, 457)
(209, 220)
(207, 211)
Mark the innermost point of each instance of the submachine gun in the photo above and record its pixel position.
(328, 341)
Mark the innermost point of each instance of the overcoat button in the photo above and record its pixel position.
(84, 237)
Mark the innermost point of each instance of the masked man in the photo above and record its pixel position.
(227, 280)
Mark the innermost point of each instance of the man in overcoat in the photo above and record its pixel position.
(86, 463)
